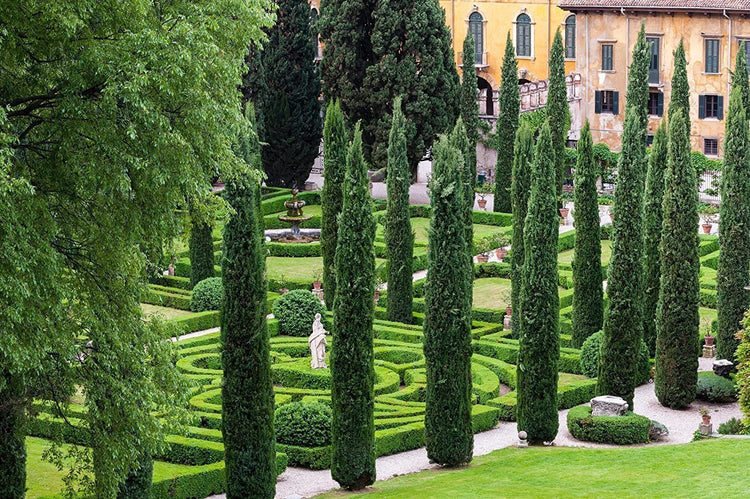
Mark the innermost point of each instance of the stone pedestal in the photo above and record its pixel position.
(723, 368)
(507, 323)
(318, 293)
(709, 351)
(706, 429)
(608, 405)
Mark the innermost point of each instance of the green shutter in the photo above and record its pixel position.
(701, 106)
(597, 101)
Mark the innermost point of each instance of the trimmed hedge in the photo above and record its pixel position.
(590, 359)
(208, 294)
(155, 295)
(199, 321)
(303, 424)
(568, 395)
(628, 429)
(714, 388)
(296, 311)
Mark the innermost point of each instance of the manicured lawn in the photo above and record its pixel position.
(707, 315)
(164, 312)
(307, 211)
(715, 468)
(567, 256)
(493, 293)
(298, 269)
(419, 226)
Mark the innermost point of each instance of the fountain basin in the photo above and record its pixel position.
(287, 236)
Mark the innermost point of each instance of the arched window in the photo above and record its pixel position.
(314, 27)
(476, 28)
(523, 35)
(570, 37)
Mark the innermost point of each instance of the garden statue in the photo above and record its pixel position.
(317, 342)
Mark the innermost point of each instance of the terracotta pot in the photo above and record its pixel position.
(508, 311)
(316, 285)
(709, 340)
(483, 258)
(283, 290)
(501, 253)
(707, 228)
(482, 203)
(564, 212)
(707, 419)
(376, 296)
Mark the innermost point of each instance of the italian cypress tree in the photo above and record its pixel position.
(12, 441)
(352, 367)
(201, 249)
(557, 107)
(507, 125)
(677, 318)
(539, 343)
(637, 91)
(447, 329)
(523, 156)
(290, 106)
(470, 108)
(334, 169)
(680, 98)
(399, 238)
(247, 393)
(588, 308)
(740, 75)
(734, 229)
(652, 220)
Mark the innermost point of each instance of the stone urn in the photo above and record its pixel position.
(707, 228)
(508, 310)
(706, 419)
(482, 203)
(316, 285)
(709, 340)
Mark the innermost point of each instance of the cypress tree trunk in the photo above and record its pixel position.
(137, 484)
(652, 221)
(447, 329)
(677, 319)
(588, 308)
(352, 367)
(557, 107)
(470, 111)
(539, 343)
(734, 230)
(247, 393)
(399, 238)
(201, 252)
(507, 124)
(12, 437)
(523, 157)
(334, 169)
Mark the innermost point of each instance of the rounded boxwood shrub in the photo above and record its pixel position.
(306, 424)
(590, 359)
(629, 428)
(714, 388)
(207, 295)
(296, 311)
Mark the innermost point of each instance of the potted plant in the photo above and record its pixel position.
(489, 243)
(316, 282)
(710, 214)
(482, 190)
(564, 197)
(709, 339)
(508, 310)
(706, 416)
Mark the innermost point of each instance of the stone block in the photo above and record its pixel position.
(608, 405)
(723, 368)
(709, 351)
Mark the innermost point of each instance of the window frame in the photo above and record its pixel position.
(612, 104)
(713, 59)
(715, 143)
(570, 48)
(478, 26)
(659, 105)
(654, 73)
(716, 107)
(529, 31)
(611, 48)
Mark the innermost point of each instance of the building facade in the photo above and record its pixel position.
(606, 32)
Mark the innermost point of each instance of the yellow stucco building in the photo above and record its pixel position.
(606, 33)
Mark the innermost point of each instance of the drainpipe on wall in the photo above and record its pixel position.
(588, 71)
(627, 43)
(729, 56)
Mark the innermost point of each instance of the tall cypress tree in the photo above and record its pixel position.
(247, 393)
(460, 141)
(557, 107)
(290, 106)
(331, 199)
(677, 317)
(201, 249)
(539, 343)
(523, 156)
(652, 220)
(734, 229)
(352, 363)
(507, 124)
(470, 108)
(740, 75)
(588, 308)
(637, 91)
(399, 238)
(680, 98)
(447, 329)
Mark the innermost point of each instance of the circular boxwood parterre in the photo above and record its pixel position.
(307, 424)
(207, 295)
(590, 359)
(630, 428)
(296, 311)
(714, 388)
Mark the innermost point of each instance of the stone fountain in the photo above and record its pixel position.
(294, 217)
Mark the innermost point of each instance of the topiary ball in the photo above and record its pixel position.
(590, 358)
(296, 311)
(306, 424)
(713, 388)
(207, 295)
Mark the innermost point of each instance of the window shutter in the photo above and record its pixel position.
(660, 104)
(701, 106)
(597, 101)
(720, 107)
(615, 102)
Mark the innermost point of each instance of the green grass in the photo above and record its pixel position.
(567, 256)
(493, 293)
(419, 226)
(164, 312)
(715, 468)
(307, 211)
(298, 269)
(707, 315)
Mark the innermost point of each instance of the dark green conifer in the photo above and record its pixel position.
(734, 229)
(539, 342)
(447, 329)
(399, 238)
(334, 169)
(507, 124)
(460, 141)
(201, 249)
(523, 156)
(352, 363)
(588, 308)
(637, 91)
(677, 316)
(557, 107)
(740, 75)
(680, 88)
(470, 107)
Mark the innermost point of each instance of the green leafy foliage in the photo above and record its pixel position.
(740, 75)
(469, 105)
(296, 311)
(307, 424)
(399, 238)
(732, 427)
(539, 343)
(447, 330)
(588, 307)
(507, 124)
(677, 318)
(627, 429)
(743, 370)
(557, 107)
(208, 294)
(352, 363)
(201, 253)
(138, 482)
(334, 169)
(12, 441)
(713, 388)
(590, 359)
(520, 187)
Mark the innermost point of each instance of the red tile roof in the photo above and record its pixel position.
(661, 5)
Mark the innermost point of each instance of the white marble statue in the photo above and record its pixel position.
(317, 342)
